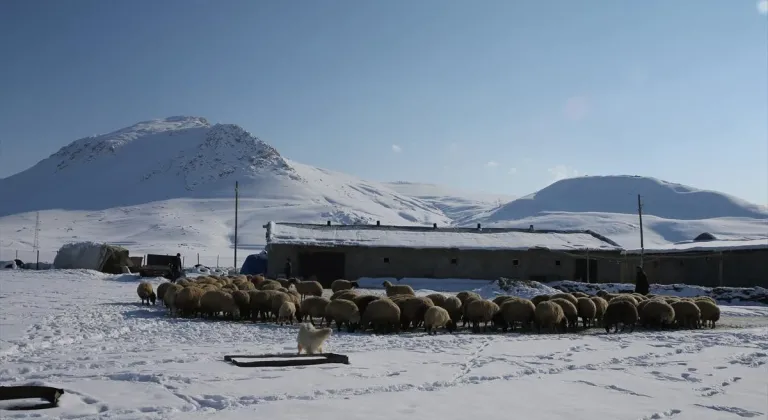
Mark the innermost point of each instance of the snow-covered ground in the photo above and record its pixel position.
(86, 332)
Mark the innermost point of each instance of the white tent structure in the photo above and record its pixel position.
(92, 256)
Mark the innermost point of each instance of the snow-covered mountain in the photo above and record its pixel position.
(608, 204)
(171, 181)
(457, 204)
(167, 185)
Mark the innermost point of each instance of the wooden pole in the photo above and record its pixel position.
(237, 199)
(642, 243)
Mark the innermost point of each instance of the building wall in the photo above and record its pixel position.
(740, 268)
(431, 263)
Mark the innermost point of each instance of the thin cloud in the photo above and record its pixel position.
(512, 171)
(453, 147)
(562, 172)
(762, 7)
(396, 148)
(492, 164)
(576, 108)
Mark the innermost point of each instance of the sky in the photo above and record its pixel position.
(493, 95)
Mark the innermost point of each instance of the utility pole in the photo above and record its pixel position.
(640, 214)
(237, 200)
(36, 242)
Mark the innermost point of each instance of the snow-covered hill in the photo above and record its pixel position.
(169, 184)
(608, 205)
(457, 204)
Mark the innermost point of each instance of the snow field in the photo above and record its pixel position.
(87, 332)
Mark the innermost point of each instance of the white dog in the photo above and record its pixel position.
(311, 339)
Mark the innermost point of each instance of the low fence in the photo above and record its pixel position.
(30, 258)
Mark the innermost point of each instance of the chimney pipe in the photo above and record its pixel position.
(378, 223)
(478, 226)
(328, 223)
(434, 225)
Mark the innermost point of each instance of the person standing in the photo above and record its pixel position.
(288, 270)
(641, 282)
(176, 267)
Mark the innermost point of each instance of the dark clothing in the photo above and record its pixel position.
(641, 283)
(175, 268)
(288, 269)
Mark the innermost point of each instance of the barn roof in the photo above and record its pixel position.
(436, 238)
(716, 245)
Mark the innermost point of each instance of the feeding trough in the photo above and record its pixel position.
(29, 392)
(286, 359)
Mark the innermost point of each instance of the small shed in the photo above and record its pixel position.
(92, 256)
(255, 264)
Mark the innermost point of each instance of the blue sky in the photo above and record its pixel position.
(497, 96)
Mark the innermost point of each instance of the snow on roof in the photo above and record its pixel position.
(707, 246)
(435, 238)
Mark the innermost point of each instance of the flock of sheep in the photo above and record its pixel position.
(283, 301)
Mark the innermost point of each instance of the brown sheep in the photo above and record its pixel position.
(499, 300)
(481, 311)
(578, 295)
(363, 301)
(270, 285)
(707, 298)
(261, 303)
(656, 313)
(286, 313)
(169, 298)
(437, 298)
(161, 290)
(308, 288)
(344, 294)
(342, 284)
(587, 311)
(465, 308)
(399, 289)
(286, 282)
(188, 301)
(218, 301)
(452, 304)
(567, 296)
(539, 298)
(515, 311)
(710, 312)
(382, 315)
(342, 311)
(627, 297)
(412, 310)
(687, 314)
(145, 292)
(314, 307)
(620, 312)
(437, 317)
(600, 305)
(466, 294)
(277, 301)
(570, 311)
(243, 301)
(550, 315)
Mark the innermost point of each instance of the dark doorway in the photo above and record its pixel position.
(325, 266)
(580, 273)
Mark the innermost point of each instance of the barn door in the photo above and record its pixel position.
(326, 266)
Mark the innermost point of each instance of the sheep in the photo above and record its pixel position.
(437, 298)
(570, 311)
(246, 286)
(286, 282)
(257, 280)
(314, 307)
(286, 313)
(215, 301)
(243, 301)
(578, 295)
(341, 284)
(517, 311)
(656, 313)
(436, 317)
(620, 312)
(452, 304)
(465, 309)
(466, 294)
(161, 291)
(707, 298)
(710, 312)
(311, 339)
(624, 297)
(342, 311)
(344, 294)
(398, 289)
(412, 310)
(270, 285)
(539, 298)
(687, 314)
(363, 301)
(145, 292)
(587, 310)
(481, 311)
(549, 315)
(382, 315)
(499, 300)
(277, 301)
(308, 288)
(188, 300)
(170, 297)
(567, 296)
(600, 305)
(261, 303)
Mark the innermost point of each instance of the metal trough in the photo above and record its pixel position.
(49, 394)
(290, 359)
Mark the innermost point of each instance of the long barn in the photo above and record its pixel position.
(331, 252)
